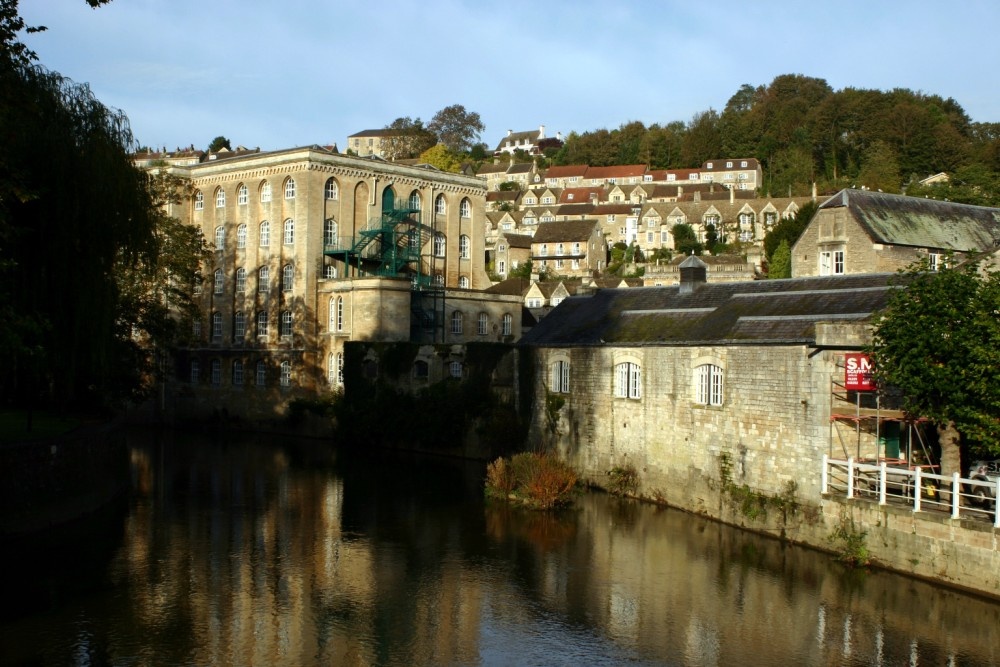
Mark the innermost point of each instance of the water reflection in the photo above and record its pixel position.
(268, 553)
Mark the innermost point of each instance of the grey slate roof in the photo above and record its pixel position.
(753, 312)
(564, 230)
(923, 223)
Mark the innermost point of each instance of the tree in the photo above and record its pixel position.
(439, 156)
(685, 240)
(880, 170)
(780, 265)
(788, 230)
(406, 138)
(219, 143)
(457, 128)
(938, 341)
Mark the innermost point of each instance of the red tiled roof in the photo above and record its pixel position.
(617, 171)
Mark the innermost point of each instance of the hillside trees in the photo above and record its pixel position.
(408, 139)
(456, 128)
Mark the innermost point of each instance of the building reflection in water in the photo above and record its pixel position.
(264, 553)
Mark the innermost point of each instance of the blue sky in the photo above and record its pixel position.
(296, 72)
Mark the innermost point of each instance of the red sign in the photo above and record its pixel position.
(858, 372)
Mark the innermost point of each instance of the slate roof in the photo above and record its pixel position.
(583, 208)
(564, 230)
(565, 171)
(491, 169)
(520, 168)
(510, 287)
(519, 139)
(617, 171)
(924, 223)
(518, 240)
(753, 312)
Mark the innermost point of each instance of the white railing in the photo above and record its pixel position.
(957, 496)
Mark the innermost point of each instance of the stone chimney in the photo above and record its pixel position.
(694, 274)
(732, 195)
(510, 132)
(541, 131)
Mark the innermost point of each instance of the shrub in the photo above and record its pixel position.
(623, 480)
(540, 481)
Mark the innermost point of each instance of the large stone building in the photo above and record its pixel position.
(311, 249)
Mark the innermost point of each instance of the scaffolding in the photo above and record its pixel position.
(392, 246)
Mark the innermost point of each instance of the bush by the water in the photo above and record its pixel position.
(538, 480)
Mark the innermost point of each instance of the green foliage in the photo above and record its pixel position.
(753, 504)
(938, 341)
(553, 405)
(219, 143)
(685, 240)
(623, 480)
(537, 481)
(851, 543)
(974, 184)
(407, 139)
(881, 169)
(509, 186)
(780, 265)
(788, 230)
(522, 270)
(441, 157)
(457, 128)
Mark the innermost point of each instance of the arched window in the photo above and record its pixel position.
(465, 209)
(218, 283)
(340, 368)
(238, 372)
(262, 323)
(455, 369)
(260, 376)
(289, 188)
(329, 271)
(199, 200)
(414, 200)
(239, 326)
(331, 324)
(482, 324)
(220, 198)
(220, 238)
(388, 199)
(241, 236)
(628, 380)
(286, 323)
(265, 191)
(217, 326)
(242, 195)
(265, 234)
(464, 247)
(507, 324)
(340, 314)
(708, 379)
(263, 279)
(241, 279)
(439, 244)
(331, 191)
(559, 377)
(456, 322)
(287, 277)
(463, 282)
(330, 232)
(289, 236)
(440, 206)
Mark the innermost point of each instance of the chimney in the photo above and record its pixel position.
(814, 191)
(510, 132)
(559, 136)
(697, 196)
(694, 274)
(541, 131)
(732, 195)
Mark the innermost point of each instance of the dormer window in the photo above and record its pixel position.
(729, 165)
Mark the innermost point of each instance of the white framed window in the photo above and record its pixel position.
(220, 198)
(559, 377)
(440, 206)
(242, 195)
(464, 247)
(199, 200)
(838, 262)
(263, 279)
(329, 272)
(575, 264)
(708, 383)
(331, 190)
(218, 282)
(216, 372)
(743, 164)
(729, 165)
(265, 192)
(289, 188)
(465, 209)
(265, 234)
(288, 238)
(559, 264)
(241, 236)
(482, 324)
(260, 376)
(502, 267)
(456, 322)
(241, 279)
(650, 237)
(340, 314)
(220, 238)
(287, 277)
(544, 250)
(438, 279)
(331, 369)
(414, 201)
(262, 323)
(239, 325)
(238, 372)
(556, 300)
(560, 249)
(576, 248)
(439, 244)
(330, 232)
(455, 369)
(935, 261)
(216, 326)
(534, 302)
(506, 324)
(628, 380)
(286, 323)
(463, 282)
(195, 371)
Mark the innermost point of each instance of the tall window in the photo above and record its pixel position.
(238, 372)
(262, 323)
(220, 238)
(217, 326)
(482, 324)
(199, 200)
(265, 192)
(440, 207)
(330, 232)
(331, 191)
(265, 234)
(456, 322)
(263, 279)
(260, 376)
(628, 380)
(463, 282)
(290, 188)
(219, 282)
(289, 236)
(339, 314)
(286, 373)
(708, 384)
(220, 198)
(195, 371)
(241, 236)
(559, 377)
(242, 195)
(329, 271)
(439, 244)
(414, 202)
(831, 262)
(286, 323)
(464, 247)
(216, 372)
(838, 262)
(507, 324)
(465, 209)
(455, 369)
(331, 369)
(239, 326)
(241, 279)
(287, 277)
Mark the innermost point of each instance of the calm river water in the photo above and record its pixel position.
(259, 551)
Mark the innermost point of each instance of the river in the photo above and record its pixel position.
(253, 550)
